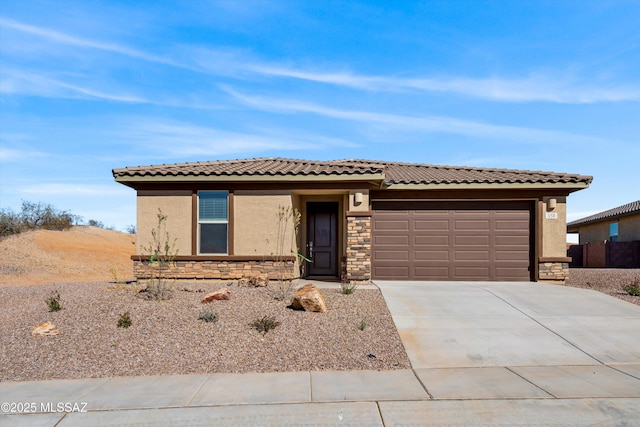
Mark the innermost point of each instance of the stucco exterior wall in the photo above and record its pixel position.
(256, 222)
(594, 232)
(176, 205)
(554, 230)
(629, 228)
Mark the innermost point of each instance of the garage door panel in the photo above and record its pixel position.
(514, 240)
(391, 240)
(442, 255)
(515, 274)
(395, 225)
(512, 255)
(472, 273)
(432, 240)
(431, 273)
(386, 255)
(471, 224)
(391, 271)
(471, 240)
(471, 255)
(452, 240)
(430, 225)
(511, 224)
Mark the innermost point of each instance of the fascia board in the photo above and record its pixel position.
(252, 178)
(487, 186)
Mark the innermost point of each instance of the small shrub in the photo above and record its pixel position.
(162, 253)
(363, 324)
(347, 288)
(208, 316)
(124, 321)
(115, 276)
(53, 302)
(633, 289)
(265, 324)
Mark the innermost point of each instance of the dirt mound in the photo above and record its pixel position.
(80, 254)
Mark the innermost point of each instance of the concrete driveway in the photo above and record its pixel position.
(517, 340)
(480, 324)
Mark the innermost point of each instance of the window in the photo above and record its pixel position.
(213, 222)
(613, 231)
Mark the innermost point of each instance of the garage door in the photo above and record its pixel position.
(451, 240)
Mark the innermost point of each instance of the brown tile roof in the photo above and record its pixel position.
(628, 209)
(248, 167)
(393, 172)
(410, 173)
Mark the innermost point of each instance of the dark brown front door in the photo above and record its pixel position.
(322, 238)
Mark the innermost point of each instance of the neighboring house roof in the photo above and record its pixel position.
(628, 209)
(388, 173)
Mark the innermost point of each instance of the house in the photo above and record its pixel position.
(608, 239)
(621, 224)
(359, 219)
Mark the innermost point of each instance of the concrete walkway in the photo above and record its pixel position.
(513, 354)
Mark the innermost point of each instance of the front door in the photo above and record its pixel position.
(322, 238)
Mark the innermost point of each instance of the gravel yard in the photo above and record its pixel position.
(166, 337)
(610, 281)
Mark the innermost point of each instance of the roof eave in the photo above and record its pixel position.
(574, 228)
(250, 178)
(486, 186)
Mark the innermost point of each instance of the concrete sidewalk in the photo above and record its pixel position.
(482, 354)
(475, 396)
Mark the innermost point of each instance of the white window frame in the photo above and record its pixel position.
(200, 222)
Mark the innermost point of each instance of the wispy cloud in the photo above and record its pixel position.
(532, 88)
(24, 82)
(84, 190)
(8, 155)
(59, 37)
(182, 140)
(426, 123)
(552, 86)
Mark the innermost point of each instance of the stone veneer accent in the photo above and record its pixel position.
(555, 271)
(217, 269)
(358, 248)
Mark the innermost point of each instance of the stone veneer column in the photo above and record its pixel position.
(358, 248)
(553, 270)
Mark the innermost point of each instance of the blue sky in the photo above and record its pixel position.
(88, 86)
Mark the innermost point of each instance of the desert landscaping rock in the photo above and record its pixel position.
(610, 281)
(223, 294)
(309, 298)
(166, 337)
(45, 329)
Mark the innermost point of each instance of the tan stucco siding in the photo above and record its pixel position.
(554, 228)
(628, 230)
(176, 205)
(594, 232)
(256, 222)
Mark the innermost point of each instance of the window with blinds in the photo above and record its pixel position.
(213, 222)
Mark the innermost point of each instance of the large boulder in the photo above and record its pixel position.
(45, 329)
(219, 295)
(309, 298)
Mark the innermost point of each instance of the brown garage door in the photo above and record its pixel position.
(451, 240)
